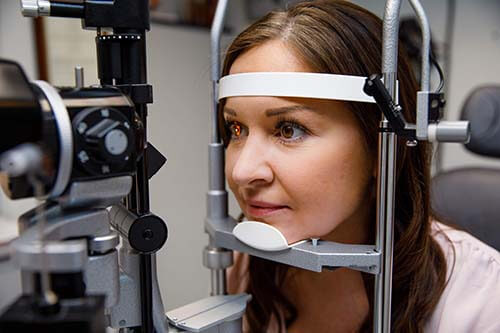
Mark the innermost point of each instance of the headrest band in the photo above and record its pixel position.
(295, 84)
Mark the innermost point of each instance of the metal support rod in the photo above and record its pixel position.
(378, 307)
(384, 239)
(425, 77)
(217, 194)
(425, 86)
(386, 174)
(218, 280)
(389, 229)
(215, 38)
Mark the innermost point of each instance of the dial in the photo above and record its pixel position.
(104, 140)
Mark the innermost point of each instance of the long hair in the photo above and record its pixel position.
(342, 38)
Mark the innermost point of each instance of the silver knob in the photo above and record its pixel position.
(449, 131)
(79, 78)
(35, 8)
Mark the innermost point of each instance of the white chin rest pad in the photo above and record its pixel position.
(261, 236)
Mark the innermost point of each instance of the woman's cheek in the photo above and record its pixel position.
(330, 196)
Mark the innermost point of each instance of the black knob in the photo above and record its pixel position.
(104, 140)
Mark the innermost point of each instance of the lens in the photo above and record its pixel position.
(20, 112)
(23, 120)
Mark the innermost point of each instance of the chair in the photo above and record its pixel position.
(470, 197)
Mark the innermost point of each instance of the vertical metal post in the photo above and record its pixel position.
(422, 96)
(215, 58)
(386, 175)
(378, 306)
(218, 282)
(425, 76)
(217, 194)
(134, 72)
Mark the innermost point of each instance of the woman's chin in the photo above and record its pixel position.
(291, 235)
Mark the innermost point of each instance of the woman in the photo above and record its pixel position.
(308, 167)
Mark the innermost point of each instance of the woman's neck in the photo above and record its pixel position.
(331, 301)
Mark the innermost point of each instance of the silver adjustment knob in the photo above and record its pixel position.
(449, 131)
(116, 142)
(79, 77)
(35, 8)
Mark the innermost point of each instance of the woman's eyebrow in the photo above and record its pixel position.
(229, 111)
(276, 111)
(287, 109)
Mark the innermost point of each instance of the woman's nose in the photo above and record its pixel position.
(252, 165)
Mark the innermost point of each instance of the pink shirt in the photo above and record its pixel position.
(471, 299)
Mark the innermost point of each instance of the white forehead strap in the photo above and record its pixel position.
(295, 84)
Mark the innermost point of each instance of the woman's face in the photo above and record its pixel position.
(300, 165)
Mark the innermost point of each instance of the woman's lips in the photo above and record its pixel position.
(263, 209)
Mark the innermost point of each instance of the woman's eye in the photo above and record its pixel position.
(235, 129)
(291, 131)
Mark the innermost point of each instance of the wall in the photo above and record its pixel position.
(178, 126)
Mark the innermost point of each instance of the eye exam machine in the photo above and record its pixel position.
(95, 138)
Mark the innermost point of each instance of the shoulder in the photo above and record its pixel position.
(471, 297)
(464, 250)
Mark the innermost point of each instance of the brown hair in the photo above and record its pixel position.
(340, 37)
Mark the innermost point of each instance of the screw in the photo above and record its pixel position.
(147, 234)
(412, 143)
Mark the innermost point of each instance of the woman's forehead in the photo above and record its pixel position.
(267, 105)
(272, 56)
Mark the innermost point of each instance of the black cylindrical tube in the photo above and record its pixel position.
(146, 233)
(62, 9)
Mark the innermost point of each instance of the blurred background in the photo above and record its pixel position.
(466, 35)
